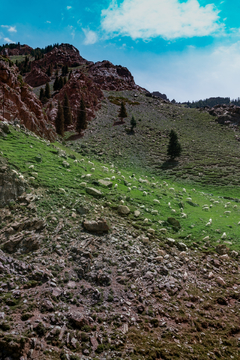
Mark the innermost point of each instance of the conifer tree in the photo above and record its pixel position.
(47, 91)
(49, 71)
(133, 123)
(59, 122)
(174, 147)
(41, 96)
(60, 83)
(67, 112)
(81, 118)
(56, 84)
(122, 112)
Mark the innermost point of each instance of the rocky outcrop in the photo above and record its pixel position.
(65, 54)
(36, 78)
(21, 103)
(10, 186)
(78, 87)
(19, 50)
(226, 114)
(111, 77)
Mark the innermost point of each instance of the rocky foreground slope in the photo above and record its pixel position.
(79, 280)
(110, 296)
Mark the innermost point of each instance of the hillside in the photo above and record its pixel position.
(109, 250)
(102, 262)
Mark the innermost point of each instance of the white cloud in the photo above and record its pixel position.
(69, 7)
(9, 41)
(10, 28)
(48, 22)
(90, 37)
(169, 19)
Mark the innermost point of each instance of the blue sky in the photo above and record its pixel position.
(188, 49)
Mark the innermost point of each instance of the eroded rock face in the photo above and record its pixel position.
(78, 87)
(111, 77)
(21, 103)
(65, 54)
(36, 78)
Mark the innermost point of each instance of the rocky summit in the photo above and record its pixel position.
(108, 248)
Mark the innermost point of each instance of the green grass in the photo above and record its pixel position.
(210, 151)
(22, 150)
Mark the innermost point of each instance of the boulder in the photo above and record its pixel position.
(98, 226)
(181, 246)
(77, 320)
(221, 249)
(105, 183)
(94, 192)
(123, 210)
(10, 186)
(137, 213)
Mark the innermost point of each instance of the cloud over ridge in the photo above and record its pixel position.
(168, 19)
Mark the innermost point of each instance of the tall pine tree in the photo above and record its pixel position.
(133, 123)
(59, 121)
(47, 91)
(56, 84)
(81, 117)
(174, 147)
(122, 112)
(41, 96)
(67, 112)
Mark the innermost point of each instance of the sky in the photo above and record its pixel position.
(186, 49)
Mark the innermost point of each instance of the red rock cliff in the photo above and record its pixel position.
(21, 103)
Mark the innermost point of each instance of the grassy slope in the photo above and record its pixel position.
(210, 151)
(22, 149)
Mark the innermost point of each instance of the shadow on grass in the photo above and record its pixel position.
(74, 137)
(118, 123)
(169, 164)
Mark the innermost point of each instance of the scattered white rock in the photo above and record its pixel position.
(62, 190)
(183, 215)
(209, 222)
(220, 281)
(210, 275)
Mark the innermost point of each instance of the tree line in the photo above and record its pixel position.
(212, 102)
